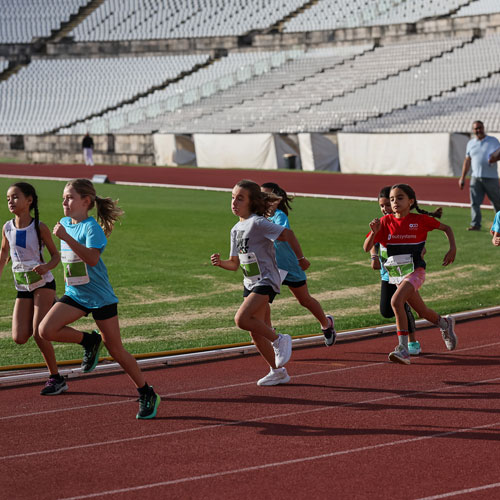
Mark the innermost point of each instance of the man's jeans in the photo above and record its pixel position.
(480, 186)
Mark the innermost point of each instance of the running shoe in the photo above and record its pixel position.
(91, 355)
(275, 377)
(400, 355)
(54, 386)
(414, 348)
(282, 349)
(148, 404)
(449, 337)
(330, 333)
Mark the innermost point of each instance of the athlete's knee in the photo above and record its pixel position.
(20, 337)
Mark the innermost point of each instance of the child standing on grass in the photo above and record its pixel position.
(295, 277)
(24, 238)
(252, 248)
(404, 233)
(88, 289)
(378, 256)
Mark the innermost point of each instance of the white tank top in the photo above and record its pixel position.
(25, 255)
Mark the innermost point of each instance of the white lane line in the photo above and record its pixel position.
(230, 386)
(293, 461)
(462, 492)
(446, 388)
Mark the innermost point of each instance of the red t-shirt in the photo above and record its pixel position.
(406, 235)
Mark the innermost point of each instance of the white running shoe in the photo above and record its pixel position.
(449, 337)
(275, 377)
(282, 349)
(400, 355)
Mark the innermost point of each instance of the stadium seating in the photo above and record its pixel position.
(148, 20)
(50, 93)
(334, 14)
(23, 20)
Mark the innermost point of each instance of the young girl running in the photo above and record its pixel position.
(404, 234)
(252, 248)
(378, 256)
(88, 289)
(24, 238)
(296, 278)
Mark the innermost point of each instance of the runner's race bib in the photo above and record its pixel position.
(398, 267)
(75, 270)
(26, 279)
(250, 266)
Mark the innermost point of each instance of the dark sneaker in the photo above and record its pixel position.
(148, 404)
(330, 333)
(474, 228)
(91, 355)
(54, 386)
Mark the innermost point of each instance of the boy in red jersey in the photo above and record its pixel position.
(404, 234)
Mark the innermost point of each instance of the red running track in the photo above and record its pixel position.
(426, 188)
(348, 425)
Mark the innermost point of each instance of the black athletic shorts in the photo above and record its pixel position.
(105, 312)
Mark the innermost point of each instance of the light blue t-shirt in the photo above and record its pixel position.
(496, 223)
(285, 256)
(479, 153)
(98, 292)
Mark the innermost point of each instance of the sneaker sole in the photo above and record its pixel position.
(92, 368)
(330, 342)
(396, 359)
(284, 380)
(61, 389)
(153, 413)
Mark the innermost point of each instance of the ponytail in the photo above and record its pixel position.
(108, 212)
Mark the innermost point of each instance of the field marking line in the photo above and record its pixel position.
(462, 492)
(293, 461)
(230, 386)
(446, 388)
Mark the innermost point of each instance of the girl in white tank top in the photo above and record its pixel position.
(23, 239)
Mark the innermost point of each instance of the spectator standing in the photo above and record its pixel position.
(88, 149)
(484, 174)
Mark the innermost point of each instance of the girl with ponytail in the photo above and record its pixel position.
(24, 239)
(88, 289)
(404, 233)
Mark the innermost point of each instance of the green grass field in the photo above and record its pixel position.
(172, 298)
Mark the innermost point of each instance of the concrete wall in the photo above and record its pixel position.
(116, 149)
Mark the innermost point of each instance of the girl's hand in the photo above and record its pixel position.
(375, 226)
(304, 264)
(449, 257)
(41, 269)
(59, 231)
(215, 259)
(376, 264)
(496, 241)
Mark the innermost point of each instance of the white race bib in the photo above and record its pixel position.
(398, 267)
(250, 266)
(26, 279)
(75, 270)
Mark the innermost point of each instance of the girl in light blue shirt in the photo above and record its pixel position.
(295, 278)
(88, 289)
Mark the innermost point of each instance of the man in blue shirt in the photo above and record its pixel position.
(484, 174)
